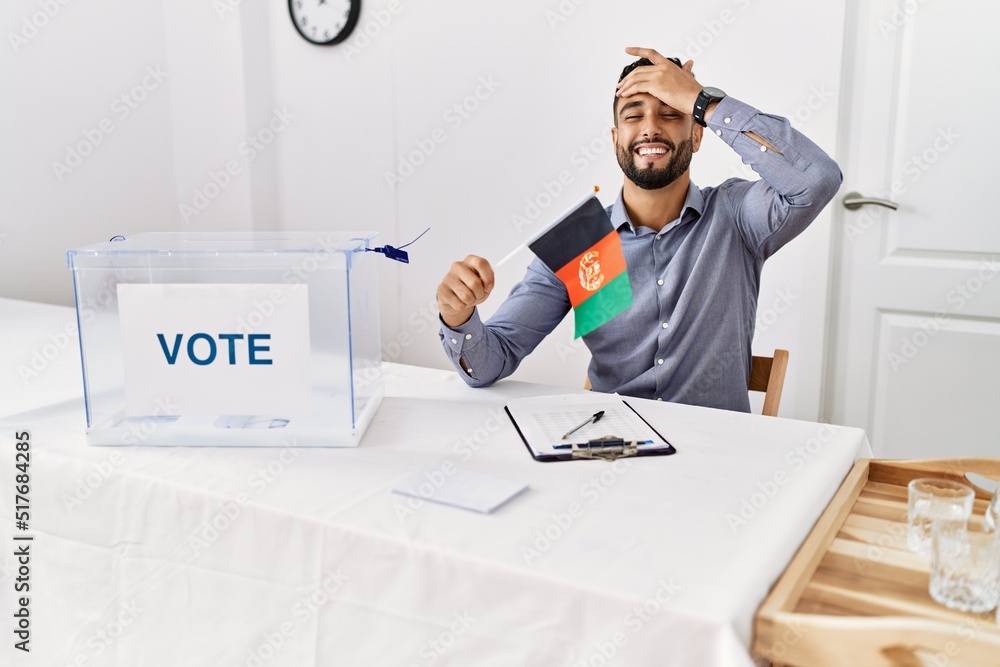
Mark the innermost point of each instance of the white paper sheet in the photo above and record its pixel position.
(476, 491)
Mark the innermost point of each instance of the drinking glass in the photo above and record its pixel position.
(965, 569)
(940, 501)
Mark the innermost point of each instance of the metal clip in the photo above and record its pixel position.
(608, 448)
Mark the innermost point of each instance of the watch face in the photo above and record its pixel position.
(714, 93)
(324, 21)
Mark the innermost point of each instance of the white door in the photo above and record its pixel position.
(915, 329)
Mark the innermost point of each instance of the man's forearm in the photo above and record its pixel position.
(786, 159)
(484, 354)
(797, 177)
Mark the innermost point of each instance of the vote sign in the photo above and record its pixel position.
(215, 349)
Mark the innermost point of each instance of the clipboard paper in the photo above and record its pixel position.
(542, 421)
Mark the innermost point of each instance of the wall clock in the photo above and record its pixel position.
(324, 22)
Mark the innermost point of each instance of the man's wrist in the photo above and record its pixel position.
(690, 99)
(457, 320)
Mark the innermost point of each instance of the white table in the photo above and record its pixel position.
(644, 559)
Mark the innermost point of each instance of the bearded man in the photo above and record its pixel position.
(694, 255)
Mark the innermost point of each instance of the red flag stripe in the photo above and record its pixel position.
(593, 268)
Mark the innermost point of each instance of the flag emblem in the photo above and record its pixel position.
(591, 277)
(584, 250)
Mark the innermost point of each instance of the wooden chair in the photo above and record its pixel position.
(767, 374)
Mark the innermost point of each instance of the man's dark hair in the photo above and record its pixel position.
(641, 62)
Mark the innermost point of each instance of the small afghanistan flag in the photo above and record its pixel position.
(584, 251)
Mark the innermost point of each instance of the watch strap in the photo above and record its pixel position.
(701, 106)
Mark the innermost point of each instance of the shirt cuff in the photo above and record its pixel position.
(463, 336)
(730, 118)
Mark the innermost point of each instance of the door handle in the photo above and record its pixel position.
(854, 201)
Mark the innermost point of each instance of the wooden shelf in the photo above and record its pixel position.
(855, 595)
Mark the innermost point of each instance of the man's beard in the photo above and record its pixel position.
(654, 177)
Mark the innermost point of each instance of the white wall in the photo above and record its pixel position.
(62, 86)
(360, 108)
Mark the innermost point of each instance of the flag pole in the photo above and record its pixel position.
(524, 245)
(510, 255)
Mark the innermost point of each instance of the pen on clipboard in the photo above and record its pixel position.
(587, 444)
(592, 419)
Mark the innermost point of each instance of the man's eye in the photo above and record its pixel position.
(670, 116)
(632, 117)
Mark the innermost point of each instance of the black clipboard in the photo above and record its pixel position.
(571, 456)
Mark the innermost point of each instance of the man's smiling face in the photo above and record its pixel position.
(653, 141)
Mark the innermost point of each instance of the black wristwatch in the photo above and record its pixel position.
(707, 95)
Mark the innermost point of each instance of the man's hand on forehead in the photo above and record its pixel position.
(663, 80)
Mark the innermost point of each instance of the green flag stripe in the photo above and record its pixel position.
(603, 304)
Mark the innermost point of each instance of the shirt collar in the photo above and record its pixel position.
(693, 207)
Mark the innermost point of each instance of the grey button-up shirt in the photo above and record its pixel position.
(687, 335)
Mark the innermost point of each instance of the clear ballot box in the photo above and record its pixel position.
(229, 339)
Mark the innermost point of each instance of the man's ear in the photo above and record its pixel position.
(614, 136)
(697, 132)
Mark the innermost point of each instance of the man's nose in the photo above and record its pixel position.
(651, 128)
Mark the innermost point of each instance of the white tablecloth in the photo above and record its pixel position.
(253, 557)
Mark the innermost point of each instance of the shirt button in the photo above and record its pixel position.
(454, 341)
(763, 148)
(726, 120)
(468, 336)
(659, 282)
(664, 325)
(659, 361)
(658, 398)
(658, 236)
(719, 132)
(469, 371)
